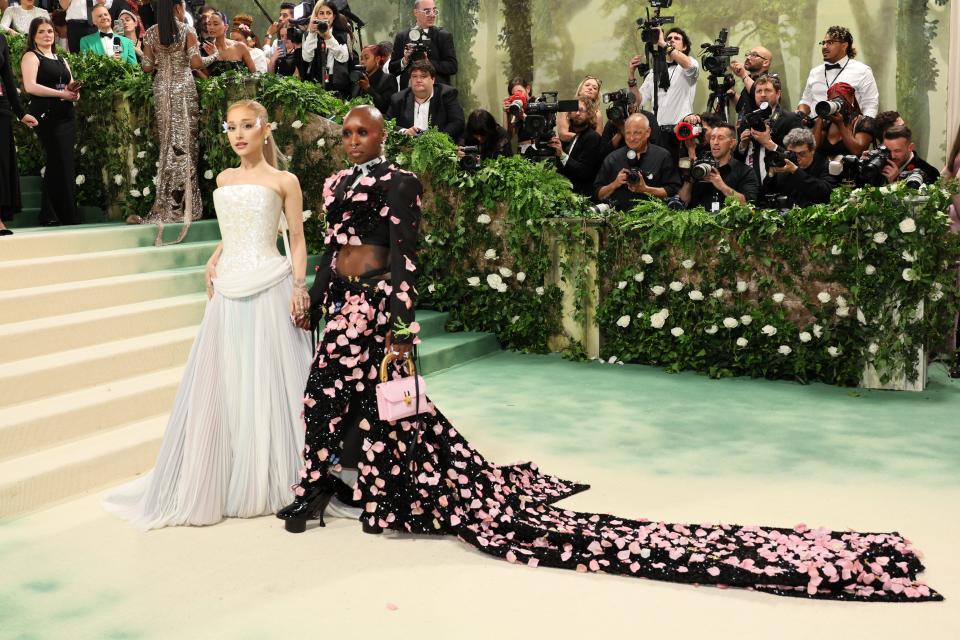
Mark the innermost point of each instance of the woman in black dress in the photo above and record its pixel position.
(9, 105)
(847, 132)
(47, 78)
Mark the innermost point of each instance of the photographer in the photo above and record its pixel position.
(675, 96)
(426, 103)
(287, 60)
(326, 55)
(713, 182)
(649, 173)
(763, 130)
(846, 131)
(374, 82)
(839, 65)
(612, 134)
(580, 158)
(903, 161)
(804, 181)
(483, 132)
(436, 45)
(519, 93)
(695, 145)
(756, 63)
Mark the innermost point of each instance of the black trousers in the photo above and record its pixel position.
(9, 176)
(57, 135)
(76, 29)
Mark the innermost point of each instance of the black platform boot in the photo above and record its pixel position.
(309, 506)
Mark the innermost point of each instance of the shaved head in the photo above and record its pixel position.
(364, 133)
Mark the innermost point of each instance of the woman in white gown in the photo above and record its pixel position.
(232, 445)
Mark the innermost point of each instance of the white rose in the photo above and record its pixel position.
(623, 322)
(746, 320)
(43, 171)
(843, 312)
(688, 264)
(778, 297)
(647, 258)
(742, 342)
(874, 348)
(432, 288)
(483, 218)
(785, 350)
(909, 275)
(514, 319)
(146, 191)
(118, 179)
(841, 301)
(502, 288)
(712, 329)
(141, 154)
(80, 179)
(296, 124)
(307, 213)
(717, 293)
(906, 255)
(622, 284)
(869, 269)
(322, 142)
(208, 174)
(833, 351)
(818, 330)
(612, 360)
(879, 237)
(134, 193)
(494, 280)
(473, 281)
(539, 291)
(805, 336)
(490, 254)
(676, 285)
(657, 321)
(862, 319)
(638, 277)
(83, 150)
(823, 297)
(677, 332)
(505, 272)
(730, 323)
(741, 286)
(521, 276)
(769, 330)
(835, 250)
(695, 295)
(657, 290)
(133, 173)
(89, 118)
(907, 225)
(136, 131)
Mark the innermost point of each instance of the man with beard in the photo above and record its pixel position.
(756, 64)
(581, 157)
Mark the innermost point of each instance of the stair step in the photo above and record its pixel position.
(43, 336)
(432, 322)
(29, 216)
(446, 350)
(42, 376)
(20, 305)
(73, 469)
(37, 272)
(53, 420)
(31, 183)
(62, 241)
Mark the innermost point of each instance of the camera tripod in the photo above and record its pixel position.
(718, 101)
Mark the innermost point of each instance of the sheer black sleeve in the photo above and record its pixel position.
(403, 202)
(9, 82)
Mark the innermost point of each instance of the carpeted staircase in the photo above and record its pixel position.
(95, 327)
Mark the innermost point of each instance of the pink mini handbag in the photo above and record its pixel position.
(402, 397)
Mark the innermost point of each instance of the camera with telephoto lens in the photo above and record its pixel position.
(914, 179)
(419, 43)
(866, 171)
(619, 102)
(703, 166)
(471, 158)
(718, 60)
(650, 26)
(515, 105)
(686, 131)
(757, 120)
(777, 158)
(827, 108)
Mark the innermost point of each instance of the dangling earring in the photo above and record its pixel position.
(266, 140)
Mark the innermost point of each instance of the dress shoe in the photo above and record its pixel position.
(50, 223)
(373, 528)
(6, 232)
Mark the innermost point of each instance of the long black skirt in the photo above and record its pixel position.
(9, 175)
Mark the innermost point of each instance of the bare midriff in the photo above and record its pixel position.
(357, 260)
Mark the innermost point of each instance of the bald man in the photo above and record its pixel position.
(756, 64)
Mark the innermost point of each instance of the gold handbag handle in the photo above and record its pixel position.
(387, 359)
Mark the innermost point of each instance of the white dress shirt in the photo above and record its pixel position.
(854, 73)
(78, 8)
(677, 101)
(421, 113)
(106, 39)
(21, 18)
(363, 170)
(336, 52)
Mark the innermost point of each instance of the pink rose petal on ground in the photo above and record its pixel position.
(392, 607)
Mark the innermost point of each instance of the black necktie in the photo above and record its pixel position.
(829, 66)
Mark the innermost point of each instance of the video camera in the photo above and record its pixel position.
(301, 14)
(541, 122)
(718, 60)
(757, 120)
(650, 25)
(419, 43)
(619, 102)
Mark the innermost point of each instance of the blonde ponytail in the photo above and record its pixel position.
(270, 151)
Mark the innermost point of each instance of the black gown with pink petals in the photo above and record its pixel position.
(421, 476)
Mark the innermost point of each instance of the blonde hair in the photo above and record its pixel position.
(270, 151)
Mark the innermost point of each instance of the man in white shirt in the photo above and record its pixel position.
(839, 66)
(79, 16)
(675, 99)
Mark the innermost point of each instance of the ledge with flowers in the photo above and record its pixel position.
(827, 293)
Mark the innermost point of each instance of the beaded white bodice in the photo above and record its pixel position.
(249, 218)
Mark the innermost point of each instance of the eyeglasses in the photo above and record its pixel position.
(827, 43)
(429, 12)
(754, 54)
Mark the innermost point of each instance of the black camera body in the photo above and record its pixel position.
(541, 123)
(619, 102)
(419, 43)
(914, 179)
(651, 24)
(757, 120)
(356, 72)
(718, 60)
(776, 159)
(704, 165)
(322, 26)
(774, 201)
(866, 171)
(633, 167)
(471, 158)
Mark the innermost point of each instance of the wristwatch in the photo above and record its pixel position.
(631, 82)
(670, 49)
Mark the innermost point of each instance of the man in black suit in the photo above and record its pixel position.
(427, 103)
(755, 142)
(374, 82)
(438, 42)
(581, 157)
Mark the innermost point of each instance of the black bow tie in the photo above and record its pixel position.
(107, 35)
(829, 66)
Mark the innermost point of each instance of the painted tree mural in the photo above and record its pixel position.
(516, 37)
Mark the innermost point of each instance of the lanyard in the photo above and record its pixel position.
(836, 76)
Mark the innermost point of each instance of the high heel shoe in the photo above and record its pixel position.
(309, 506)
(372, 528)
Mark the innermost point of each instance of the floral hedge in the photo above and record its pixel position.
(813, 294)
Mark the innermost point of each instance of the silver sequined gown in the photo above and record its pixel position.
(176, 111)
(232, 445)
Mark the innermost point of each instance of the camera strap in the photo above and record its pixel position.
(836, 77)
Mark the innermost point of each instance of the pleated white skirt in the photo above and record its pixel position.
(232, 445)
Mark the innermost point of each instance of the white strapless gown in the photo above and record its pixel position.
(232, 445)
